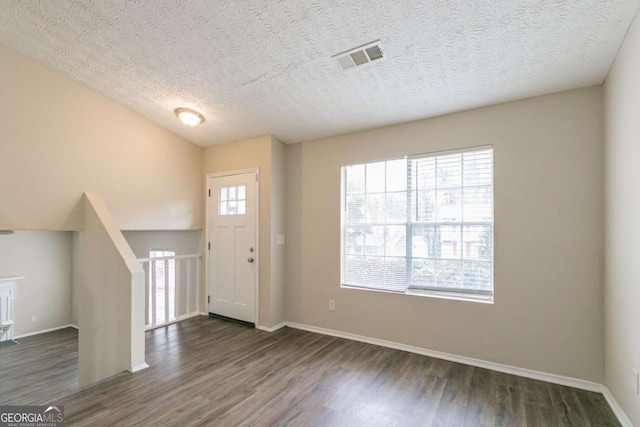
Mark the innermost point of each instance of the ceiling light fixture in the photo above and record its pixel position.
(189, 117)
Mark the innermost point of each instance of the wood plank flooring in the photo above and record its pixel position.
(211, 372)
(40, 369)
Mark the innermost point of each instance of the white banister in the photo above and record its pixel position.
(172, 294)
(162, 258)
(188, 300)
(154, 294)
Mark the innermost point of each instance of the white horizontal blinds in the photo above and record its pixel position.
(374, 225)
(451, 221)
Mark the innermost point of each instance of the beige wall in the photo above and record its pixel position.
(278, 224)
(622, 289)
(547, 314)
(259, 153)
(182, 242)
(44, 259)
(111, 298)
(59, 139)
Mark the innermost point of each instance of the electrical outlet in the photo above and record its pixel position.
(636, 381)
(332, 305)
(33, 318)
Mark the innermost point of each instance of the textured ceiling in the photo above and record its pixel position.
(256, 66)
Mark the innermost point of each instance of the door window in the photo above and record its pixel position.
(232, 200)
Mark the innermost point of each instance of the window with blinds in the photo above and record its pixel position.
(421, 223)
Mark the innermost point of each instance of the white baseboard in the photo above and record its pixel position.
(138, 368)
(44, 331)
(273, 328)
(613, 403)
(527, 373)
(75, 326)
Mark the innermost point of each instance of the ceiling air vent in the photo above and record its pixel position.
(360, 55)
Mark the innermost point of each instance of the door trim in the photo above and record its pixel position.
(257, 237)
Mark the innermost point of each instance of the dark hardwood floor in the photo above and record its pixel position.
(212, 372)
(40, 369)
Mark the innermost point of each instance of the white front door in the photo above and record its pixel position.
(233, 252)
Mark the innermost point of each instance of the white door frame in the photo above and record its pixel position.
(208, 239)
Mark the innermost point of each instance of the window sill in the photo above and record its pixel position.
(457, 296)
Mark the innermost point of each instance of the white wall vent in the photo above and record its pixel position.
(360, 55)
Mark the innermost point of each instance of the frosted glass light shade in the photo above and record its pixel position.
(189, 117)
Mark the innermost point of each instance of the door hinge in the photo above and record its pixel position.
(209, 245)
(208, 298)
(209, 192)
(256, 177)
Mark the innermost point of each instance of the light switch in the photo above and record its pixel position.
(280, 239)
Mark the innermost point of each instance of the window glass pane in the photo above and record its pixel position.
(450, 241)
(477, 168)
(426, 241)
(396, 175)
(450, 249)
(449, 274)
(354, 240)
(423, 173)
(375, 207)
(477, 203)
(424, 273)
(375, 177)
(471, 241)
(355, 179)
(355, 209)
(394, 273)
(477, 275)
(449, 171)
(354, 270)
(375, 240)
(396, 206)
(373, 272)
(449, 205)
(232, 200)
(479, 241)
(423, 206)
(395, 240)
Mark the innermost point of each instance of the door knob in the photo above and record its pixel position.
(250, 260)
